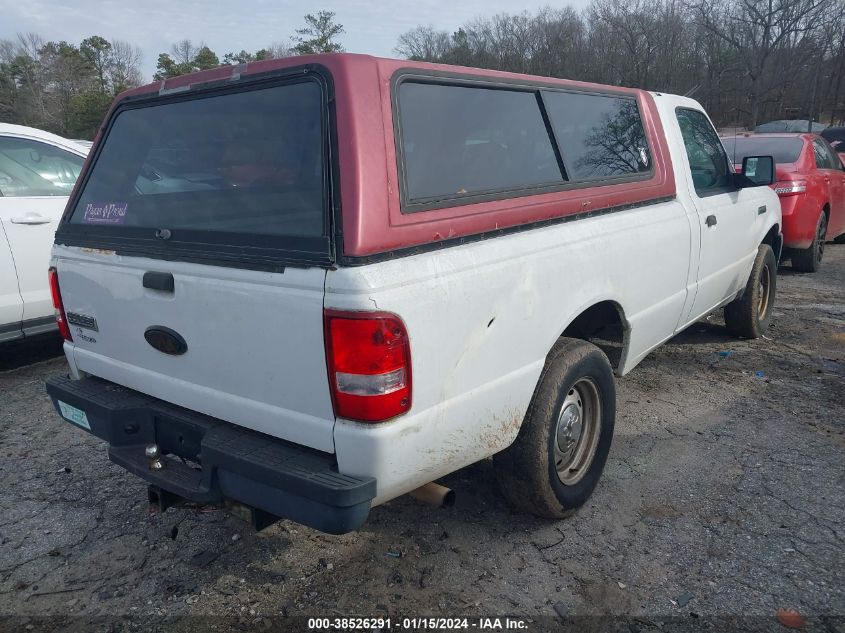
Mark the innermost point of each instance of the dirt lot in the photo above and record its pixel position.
(724, 497)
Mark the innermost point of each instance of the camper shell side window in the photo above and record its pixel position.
(461, 141)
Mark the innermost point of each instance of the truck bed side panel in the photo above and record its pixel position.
(482, 317)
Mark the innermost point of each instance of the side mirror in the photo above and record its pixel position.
(758, 171)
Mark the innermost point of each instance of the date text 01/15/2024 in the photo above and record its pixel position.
(417, 624)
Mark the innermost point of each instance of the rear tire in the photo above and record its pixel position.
(557, 459)
(750, 314)
(808, 260)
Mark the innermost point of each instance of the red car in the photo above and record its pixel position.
(811, 187)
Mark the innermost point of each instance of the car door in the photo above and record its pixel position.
(11, 304)
(726, 214)
(35, 181)
(827, 162)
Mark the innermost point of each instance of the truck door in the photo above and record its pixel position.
(726, 215)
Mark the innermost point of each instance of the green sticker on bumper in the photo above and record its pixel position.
(72, 414)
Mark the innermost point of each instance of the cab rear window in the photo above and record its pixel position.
(245, 162)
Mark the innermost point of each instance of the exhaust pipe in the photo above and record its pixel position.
(434, 495)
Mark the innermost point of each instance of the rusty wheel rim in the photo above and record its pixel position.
(576, 432)
(764, 290)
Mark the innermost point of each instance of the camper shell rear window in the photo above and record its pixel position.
(234, 172)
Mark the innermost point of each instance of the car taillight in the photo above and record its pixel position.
(790, 188)
(369, 363)
(61, 319)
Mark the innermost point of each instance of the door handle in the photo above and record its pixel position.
(711, 220)
(31, 218)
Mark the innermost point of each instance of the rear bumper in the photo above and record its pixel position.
(280, 478)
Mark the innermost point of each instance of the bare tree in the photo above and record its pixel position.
(31, 78)
(747, 61)
(125, 69)
(560, 43)
(184, 51)
(423, 43)
(756, 30)
(277, 50)
(833, 75)
(744, 59)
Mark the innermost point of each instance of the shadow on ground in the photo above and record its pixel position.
(33, 349)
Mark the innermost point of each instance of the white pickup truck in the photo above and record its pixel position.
(311, 285)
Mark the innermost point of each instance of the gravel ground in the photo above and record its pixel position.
(722, 501)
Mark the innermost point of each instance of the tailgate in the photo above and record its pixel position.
(254, 356)
(220, 196)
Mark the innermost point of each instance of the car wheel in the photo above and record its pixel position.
(749, 315)
(555, 463)
(808, 260)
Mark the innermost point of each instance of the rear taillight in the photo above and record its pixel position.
(369, 362)
(61, 319)
(790, 187)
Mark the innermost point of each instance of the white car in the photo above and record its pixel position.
(37, 172)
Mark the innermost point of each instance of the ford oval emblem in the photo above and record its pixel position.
(166, 340)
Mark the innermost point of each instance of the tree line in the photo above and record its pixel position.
(63, 87)
(317, 36)
(67, 88)
(746, 61)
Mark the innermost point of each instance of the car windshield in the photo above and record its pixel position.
(782, 149)
(246, 162)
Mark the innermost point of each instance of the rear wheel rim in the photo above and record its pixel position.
(821, 235)
(576, 431)
(764, 289)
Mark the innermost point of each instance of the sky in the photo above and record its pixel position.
(372, 26)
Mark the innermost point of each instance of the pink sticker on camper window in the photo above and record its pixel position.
(105, 212)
